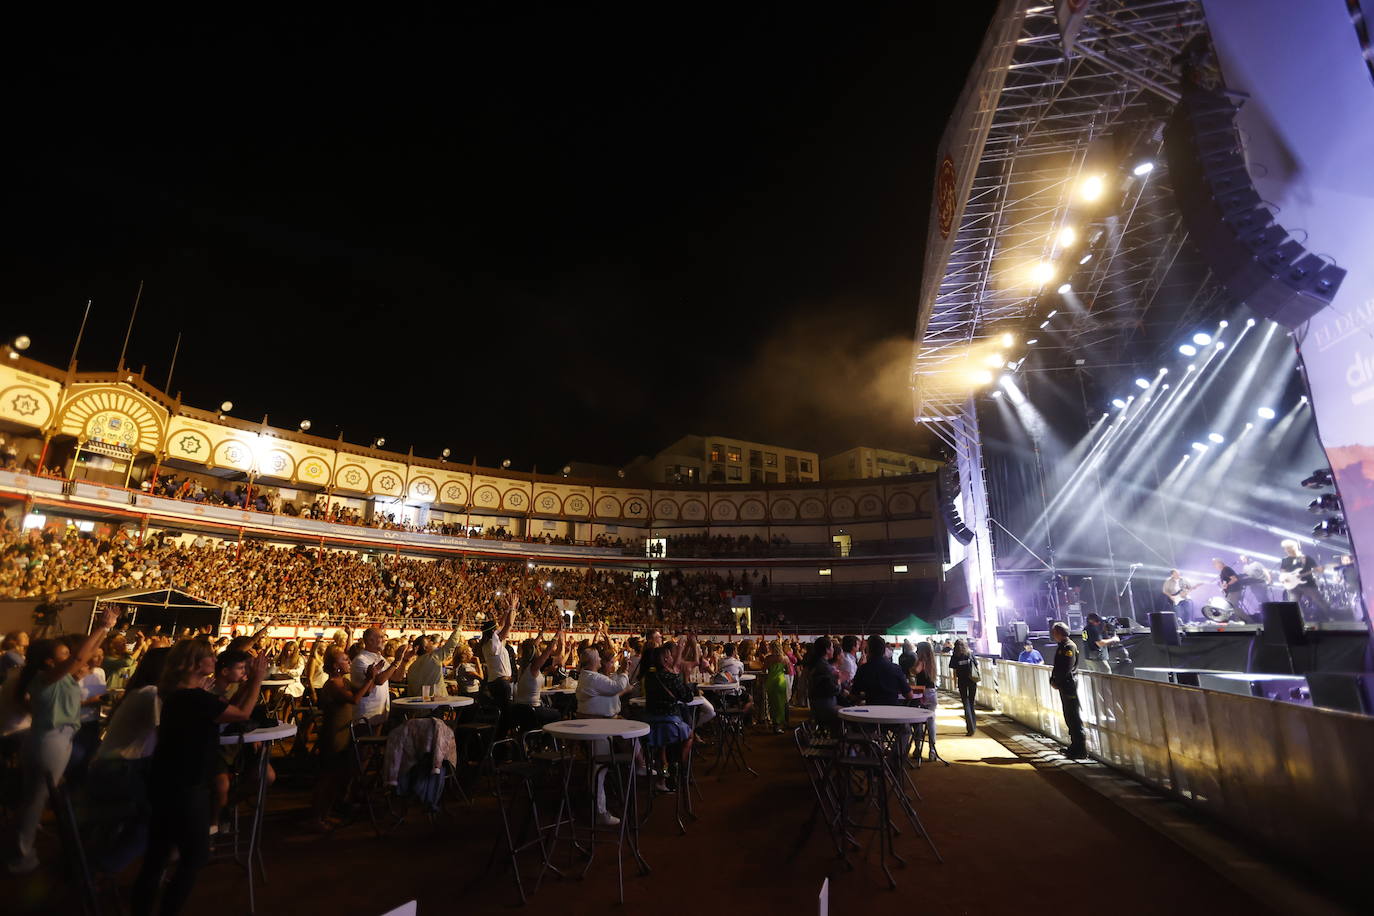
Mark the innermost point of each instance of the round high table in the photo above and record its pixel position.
(263, 736)
(593, 735)
(730, 728)
(871, 719)
(413, 705)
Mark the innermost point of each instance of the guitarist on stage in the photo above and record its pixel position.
(1176, 590)
(1297, 573)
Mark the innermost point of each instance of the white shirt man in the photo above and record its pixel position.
(378, 701)
(848, 666)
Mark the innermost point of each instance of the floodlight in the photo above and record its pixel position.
(1266, 413)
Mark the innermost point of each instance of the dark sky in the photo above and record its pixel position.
(542, 234)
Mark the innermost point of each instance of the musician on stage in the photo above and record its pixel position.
(1097, 645)
(1230, 584)
(1256, 580)
(1176, 590)
(1301, 581)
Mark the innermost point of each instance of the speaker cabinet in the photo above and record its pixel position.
(1164, 628)
(1251, 254)
(1282, 624)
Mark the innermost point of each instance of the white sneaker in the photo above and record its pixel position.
(607, 819)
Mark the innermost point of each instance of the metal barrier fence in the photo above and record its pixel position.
(1298, 778)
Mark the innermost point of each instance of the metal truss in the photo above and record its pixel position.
(1047, 117)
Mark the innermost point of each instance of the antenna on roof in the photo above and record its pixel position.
(80, 332)
(137, 298)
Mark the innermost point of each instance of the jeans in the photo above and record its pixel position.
(967, 691)
(181, 821)
(42, 755)
(500, 691)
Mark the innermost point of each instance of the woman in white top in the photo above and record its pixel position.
(290, 665)
(598, 697)
(528, 709)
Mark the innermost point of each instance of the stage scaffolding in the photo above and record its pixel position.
(1031, 120)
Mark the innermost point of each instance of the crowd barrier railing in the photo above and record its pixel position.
(1297, 778)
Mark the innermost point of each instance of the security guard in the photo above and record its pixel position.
(1064, 678)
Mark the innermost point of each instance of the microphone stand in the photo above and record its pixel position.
(1130, 595)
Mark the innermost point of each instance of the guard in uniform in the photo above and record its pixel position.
(1064, 678)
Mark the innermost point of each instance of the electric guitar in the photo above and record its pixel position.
(1181, 596)
(1291, 579)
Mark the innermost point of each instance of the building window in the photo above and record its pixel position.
(823, 572)
(789, 463)
(755, 475)
(755, 458)
(734, 473)
(770, 459)
(791, 477)
(901, 568)
(806, 465)
(733, 453)
(717, 473)
(770, 476)
(716, 451)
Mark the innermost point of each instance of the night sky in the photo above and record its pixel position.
(537, 234)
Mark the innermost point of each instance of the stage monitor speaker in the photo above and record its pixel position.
(1164, 628)
(1282, 624)
(1019, 631)
(1251, 254)
(1350, 691)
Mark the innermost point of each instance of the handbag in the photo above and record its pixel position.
(973, 673)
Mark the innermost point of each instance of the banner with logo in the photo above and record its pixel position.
(1309, 129)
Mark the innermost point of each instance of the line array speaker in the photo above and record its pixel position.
(1251, 254)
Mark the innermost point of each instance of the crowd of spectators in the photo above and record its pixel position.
(306, 586)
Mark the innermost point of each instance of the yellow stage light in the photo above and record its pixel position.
(1067, 236)
(1008, 339)
(1092, 187)
(1042, 272)
(994, 360)
(981, 377)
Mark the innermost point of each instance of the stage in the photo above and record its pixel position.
(1326, 647)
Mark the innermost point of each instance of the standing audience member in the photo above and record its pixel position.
(12, 650)
(52, 696)
(823, 688)
(498, 662)
(923, 674)
(878, 681)
(187, 742)
(848, 663)
(599, 688)
(962, 665)
(427, 670)
(338, 700)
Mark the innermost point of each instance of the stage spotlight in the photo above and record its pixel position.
(1033, 341)
(1065, 289)
(980, 377)
(994, 360)
(1327, 502)
(1188, 350)
(1331, 528)
(1086, 258)
(1220, 345)
(1042, 272)
(1249, 322)
(1143, 168)
(1266, 413)
(997, 393)
(1092, 187)
(1199, 447)
(1067, 236)
(1320, 479)
(1008, 339)
(1118, 403)
(1217, 438)
(1202, 339)
(1044, 324)
(1302, 400)
(1142, 383)
(1223, 323)
(1164, 387)
(1192, 368)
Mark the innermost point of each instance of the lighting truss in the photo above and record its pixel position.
(1040, 112)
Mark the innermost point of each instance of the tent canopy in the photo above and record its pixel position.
(153, 597)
